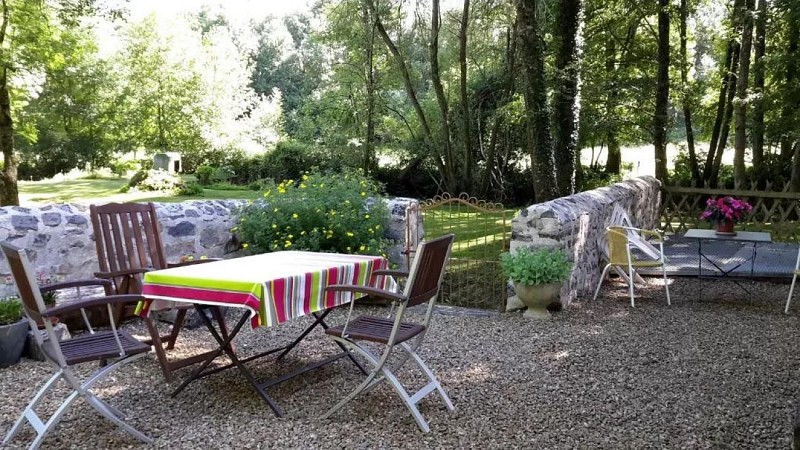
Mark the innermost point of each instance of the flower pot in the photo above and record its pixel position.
(725, 228)
(537, 298)
(12, 342)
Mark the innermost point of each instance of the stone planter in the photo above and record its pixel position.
(537, 298)
(12, 342)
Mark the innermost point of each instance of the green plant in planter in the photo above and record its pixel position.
(49, 298)
(10, 311)
(536, 267)
(13, 331)
(537, 276)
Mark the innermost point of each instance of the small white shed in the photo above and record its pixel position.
(169, 161)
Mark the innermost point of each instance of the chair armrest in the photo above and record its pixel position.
(91, 302)
(76, 283)
(192, 262)
(652, 233)
(390, 272)
(389, 295)
(122, 273)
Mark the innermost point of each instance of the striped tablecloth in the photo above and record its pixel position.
(276, 287)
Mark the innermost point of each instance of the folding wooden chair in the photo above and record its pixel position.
(128, 245)
(115, 347)
(422, 286)
(620, 256)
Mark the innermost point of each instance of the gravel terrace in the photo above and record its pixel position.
(698, 374)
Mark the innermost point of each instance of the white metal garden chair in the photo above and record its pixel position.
(620, 256)
(115, 347)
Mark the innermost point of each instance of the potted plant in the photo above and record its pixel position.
(13, 331)
(538, 276)
(49, 298)
(725, 212)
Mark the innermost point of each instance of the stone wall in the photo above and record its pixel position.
(575, 223)
(61, 246)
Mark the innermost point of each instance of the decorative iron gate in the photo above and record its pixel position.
(474, 277)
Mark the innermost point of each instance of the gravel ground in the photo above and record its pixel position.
(698, 374)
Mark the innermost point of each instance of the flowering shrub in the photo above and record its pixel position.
(339, 213)
(155, 180)
(725, 208)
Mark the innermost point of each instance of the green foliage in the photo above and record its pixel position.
(121, 168)
(50, 297)
(542, 266)
(191, 188)
(329, 213)
(10, 310)
(203, 174)
(156, 180)
(597, 177)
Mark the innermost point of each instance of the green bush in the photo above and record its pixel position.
(203, 174)
(341, 213)
(120, 168)
(191, 188)
(538, 267)
(10, 310)
(156, 180)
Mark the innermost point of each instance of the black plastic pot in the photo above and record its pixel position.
(12, 342)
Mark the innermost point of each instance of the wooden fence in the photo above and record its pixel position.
(776, 212)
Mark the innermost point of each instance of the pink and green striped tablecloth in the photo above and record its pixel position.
(276, 287)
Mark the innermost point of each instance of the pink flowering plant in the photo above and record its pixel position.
(725, 208)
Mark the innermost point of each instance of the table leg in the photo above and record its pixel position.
(225, 346)
(320, 321)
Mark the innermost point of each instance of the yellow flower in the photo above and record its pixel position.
(204, 257)
(275, 210)
(362, 248)
(245, 245)
(305, 176)
(303, 233)
(287, 244)
(366, 216)
(233, 230)
(302, 185)
(363, 194)
(294, 216)
(370, 231)
(189, 258)
(350, 234)
(348, 249)
(291, 236)
(274, 225)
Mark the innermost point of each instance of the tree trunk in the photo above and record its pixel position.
(796, 166)
(9, 195)
(687, 109)
(792, 55)
(369, 145)
(566, 103)
(444, 126)
(535, 93)
(661, 118)
(614, 159)
(465, 112)
(729, 72)
(740, 105)
(409, 87)
(758, 91)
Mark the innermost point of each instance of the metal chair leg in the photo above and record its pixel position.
(602, 280)
(791, 291)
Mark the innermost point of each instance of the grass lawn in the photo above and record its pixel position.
(107, 190)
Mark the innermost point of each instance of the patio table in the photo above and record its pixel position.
(744, 237)
(271, 288)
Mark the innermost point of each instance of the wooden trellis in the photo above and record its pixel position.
(775, 212)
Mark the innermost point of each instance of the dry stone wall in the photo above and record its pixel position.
(575, 223)
(61, 247)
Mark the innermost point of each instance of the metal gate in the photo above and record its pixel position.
(474, 277)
